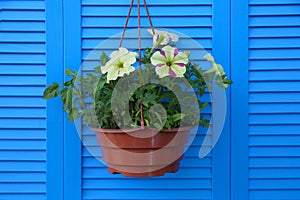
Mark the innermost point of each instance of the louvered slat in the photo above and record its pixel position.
(22, 110)
(274, 100)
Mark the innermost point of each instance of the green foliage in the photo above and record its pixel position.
(89, 97)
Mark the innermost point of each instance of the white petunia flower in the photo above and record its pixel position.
(120, 63)
(167, 36)
(217, 70)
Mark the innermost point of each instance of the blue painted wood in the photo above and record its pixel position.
(273, 2)
(274, 101)
(137, 194)
(22, 112)
(156, 3)
(194, 181)
(72, 60)
(157, 11)
(55, 137)
(221, 51)
(264, 64)
(239, 100)
(166, 22)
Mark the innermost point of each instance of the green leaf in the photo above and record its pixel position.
(63, 95)
(196, 71)
(65, 109)
(66, 97)
(203, 105)
(98, 69)
(76, 113)
(158, 126)
(177, 117)
(70, 116)
(228, 81)
(205, 123)
(99, 87)
(103, 58)
(69, 72)
(51, 91)
(147, 122)
(70, 82)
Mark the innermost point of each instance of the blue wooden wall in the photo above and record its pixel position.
(258, 155)
(102, 19)
(22, 110)
(274, 112)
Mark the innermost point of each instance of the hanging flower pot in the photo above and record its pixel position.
(116, 145)
(141, 104)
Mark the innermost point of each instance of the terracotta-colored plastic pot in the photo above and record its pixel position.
(142, 152)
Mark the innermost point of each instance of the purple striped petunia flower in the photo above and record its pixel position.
(169, 61)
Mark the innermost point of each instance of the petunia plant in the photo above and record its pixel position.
(89, 96)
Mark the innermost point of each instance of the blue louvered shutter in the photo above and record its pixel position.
(101, 20)
(272, 134)
(22, 110)
(274, 100)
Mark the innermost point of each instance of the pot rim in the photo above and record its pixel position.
(103, 130)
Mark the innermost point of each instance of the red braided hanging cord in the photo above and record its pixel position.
(140, 57)
(149, 17)
(139, 40)
(126, 23)
(128, 16)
